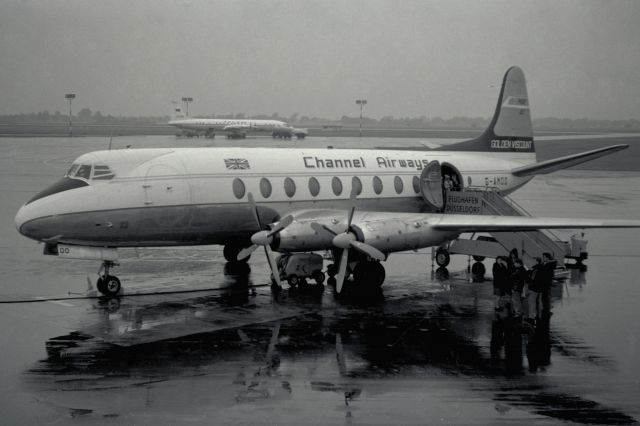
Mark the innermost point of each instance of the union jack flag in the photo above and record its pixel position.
(236, 163)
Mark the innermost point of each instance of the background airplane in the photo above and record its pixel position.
(360, 204)
(233, 128)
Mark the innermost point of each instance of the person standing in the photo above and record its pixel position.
(534, 287)
(501, 287)
(548, 266)
(517, 278)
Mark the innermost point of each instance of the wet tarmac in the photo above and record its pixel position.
(218, 346)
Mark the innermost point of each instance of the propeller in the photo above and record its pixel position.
(347, 240)
(265, 238)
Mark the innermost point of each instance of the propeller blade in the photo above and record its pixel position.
(319, 228)
(342, 270)
(370, 251)
(246, 252)
(273, 265)
(284, 222)
(352, 202)
(254, 209)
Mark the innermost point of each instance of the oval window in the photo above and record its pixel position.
(314, 186)
(336, 185)
(377, 185)
(289, 187)
(398, 184)
(265, 187)
(416, 184)
(238, 188)
(357, 184)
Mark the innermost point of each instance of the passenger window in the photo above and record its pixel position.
(289, 187)
(416, 184)
(336, 185)
(84, 172)
(398, 184)
(314, 186)
(357, 184)
(377, 185)
(265, 187)
(238, 188)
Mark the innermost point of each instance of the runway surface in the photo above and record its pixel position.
(218, 346)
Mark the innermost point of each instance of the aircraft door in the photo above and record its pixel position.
(166, 188)
(431, 185)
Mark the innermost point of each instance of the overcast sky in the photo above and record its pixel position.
(407, 58)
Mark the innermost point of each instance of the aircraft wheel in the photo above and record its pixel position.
(442, 257)
(319, 277)
(230, 252)
(109, 285)
(332, 270)
(100, 284)
(478, 258)
(293, 280)
(478, 269)
(369, 273)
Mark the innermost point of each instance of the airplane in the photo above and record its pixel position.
(360, 204)
(234, 128)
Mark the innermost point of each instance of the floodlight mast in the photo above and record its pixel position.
(186, 100)
(70, 97)
(362, 103)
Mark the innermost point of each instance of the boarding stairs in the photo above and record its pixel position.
(530, 244)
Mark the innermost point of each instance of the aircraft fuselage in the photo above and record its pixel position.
(191, 196)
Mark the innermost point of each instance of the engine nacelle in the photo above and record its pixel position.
(399, 235)
(299, 236)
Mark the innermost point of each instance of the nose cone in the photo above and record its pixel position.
(29, 222)
(21, 218)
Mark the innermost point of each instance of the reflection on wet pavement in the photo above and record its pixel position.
(252, 345)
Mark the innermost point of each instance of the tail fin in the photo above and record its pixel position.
(510, 129)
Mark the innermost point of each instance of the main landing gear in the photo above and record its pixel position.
(107, 284)
(367, 274)
(230, 252)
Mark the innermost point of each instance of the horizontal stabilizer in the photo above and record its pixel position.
(471, 223)
(560, 163)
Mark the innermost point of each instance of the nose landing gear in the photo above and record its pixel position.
(109, 285)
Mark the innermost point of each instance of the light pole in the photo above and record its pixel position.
(70, 96)
(362, 103)
(186, 101)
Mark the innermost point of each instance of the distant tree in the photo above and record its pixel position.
(85, 114)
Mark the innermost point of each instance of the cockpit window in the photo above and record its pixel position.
(83, 171)
(102, 172)
(72, 171)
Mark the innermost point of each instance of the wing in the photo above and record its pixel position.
(392, 231)
(471, 223)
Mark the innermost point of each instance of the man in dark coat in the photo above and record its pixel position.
(534, 287)
(548, 267)
(501, 287)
